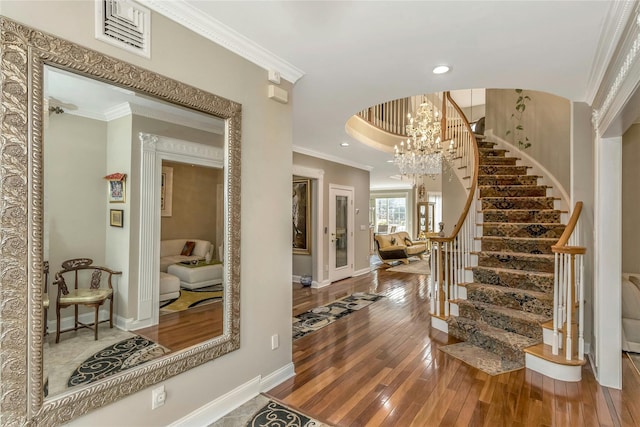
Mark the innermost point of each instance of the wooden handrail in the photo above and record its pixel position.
(568, 231)
(474, 178)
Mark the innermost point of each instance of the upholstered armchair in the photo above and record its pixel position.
(92, 286)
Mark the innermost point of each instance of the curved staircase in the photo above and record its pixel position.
(511, 295)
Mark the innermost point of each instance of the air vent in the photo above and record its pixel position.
(124, 24)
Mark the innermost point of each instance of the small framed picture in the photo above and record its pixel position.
(117, 190)
(115, 217)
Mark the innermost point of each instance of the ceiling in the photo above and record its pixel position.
(351, 55)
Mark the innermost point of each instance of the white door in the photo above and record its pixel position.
(341, 244)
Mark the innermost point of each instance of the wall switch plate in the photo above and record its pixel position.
(275, 341)
(158, 397)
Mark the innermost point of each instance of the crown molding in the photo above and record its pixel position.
(334, 159)
(192, 18)
(612, 31)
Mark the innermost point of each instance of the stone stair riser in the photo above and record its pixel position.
(511, 298)
(506, 244)
(466, 332)
(517, 203)
(513, 191)
(522, 216)
(501, 170)
(505, 260)
(514, 279)
(500, 320)
(507, 180)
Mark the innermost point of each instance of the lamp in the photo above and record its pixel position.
(423, 154)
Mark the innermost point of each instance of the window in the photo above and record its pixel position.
(389, 213)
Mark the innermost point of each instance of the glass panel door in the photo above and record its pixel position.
(342, 232)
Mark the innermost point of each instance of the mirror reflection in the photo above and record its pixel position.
(153, 278)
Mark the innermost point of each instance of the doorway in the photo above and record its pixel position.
(341, 225)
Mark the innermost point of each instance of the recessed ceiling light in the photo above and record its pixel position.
(344, 144)
(389, 161)
(441, 69)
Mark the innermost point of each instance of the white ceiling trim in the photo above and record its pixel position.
(219, 33)
(614, 25)
(334, 159)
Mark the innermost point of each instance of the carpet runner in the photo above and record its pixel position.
(512, 290)
(324, 315)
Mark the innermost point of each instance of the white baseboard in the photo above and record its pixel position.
(295, 279)
(318, 285)
(67, 322)
(439, 324)
(553, 370)
(362, 271)
(226, 403)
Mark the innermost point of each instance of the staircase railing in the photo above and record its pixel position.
(391, 116)
(568, 289)
(451, 255)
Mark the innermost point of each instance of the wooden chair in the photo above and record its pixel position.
(93, 295)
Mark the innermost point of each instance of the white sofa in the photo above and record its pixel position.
(170, 251)
(631, 312)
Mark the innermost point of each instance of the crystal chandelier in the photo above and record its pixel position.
(423, 154)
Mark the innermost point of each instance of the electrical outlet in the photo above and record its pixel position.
(158, 397)
(275, 341)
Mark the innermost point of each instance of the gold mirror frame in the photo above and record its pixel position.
(24, 52)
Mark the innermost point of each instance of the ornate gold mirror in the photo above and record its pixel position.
(128, 195)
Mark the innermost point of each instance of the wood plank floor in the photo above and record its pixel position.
(381, 366)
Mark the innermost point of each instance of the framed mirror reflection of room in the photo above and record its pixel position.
(49, 162)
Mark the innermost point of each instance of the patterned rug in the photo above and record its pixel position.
(324, 315)
(276, 415)
(415, 266)
(192, 298)
(118, 357)
(481, 359)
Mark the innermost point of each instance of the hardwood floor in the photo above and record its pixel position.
(177, 331)
(381, 366)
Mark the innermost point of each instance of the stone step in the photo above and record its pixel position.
(517, 203)
(512, 190)
(517, 244)
(501, 170)
(534, 302)
(528, 280)
(516, 321)
(494, 160)
(517, 261)
(515, 229)
(548, 216)
(492, 152)
(507, 179)
(506, 344)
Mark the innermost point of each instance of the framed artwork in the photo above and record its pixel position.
(301, 216)
(166, 191)
(115, 217)
(117, 187)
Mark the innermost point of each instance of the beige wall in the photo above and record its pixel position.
(75, 217)
(546, 122)
(266, 180)
(193, 213)
(631, 200)
(454, 197)
(335, 173)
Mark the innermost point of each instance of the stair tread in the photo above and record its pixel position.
(537, 239)
(521, 197)
(517, 254)
(513, 271)
(507, 290)
(510, 312)
(521, 210)
(511, 339)
(557, 224)
(544, 351)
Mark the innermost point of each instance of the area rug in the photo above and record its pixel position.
(324, 315)
(276, 415)
(193, 298)
(115, 358)
(481, 359)
(635, 360)
(420, 266)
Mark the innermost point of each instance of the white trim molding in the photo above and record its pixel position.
(334, 159)
(192, 18)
